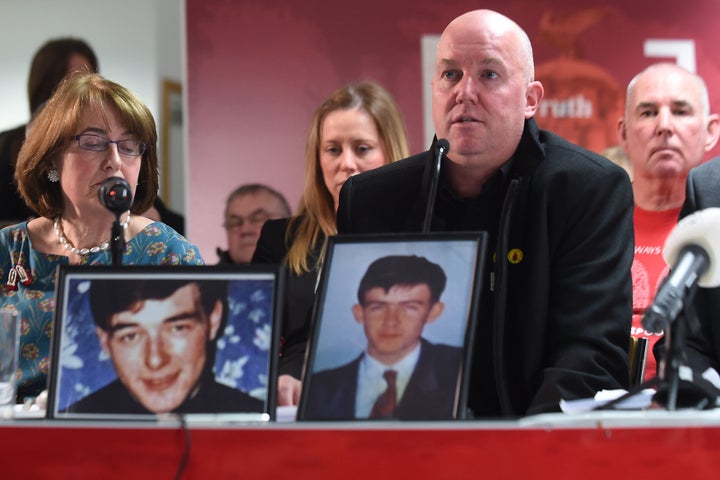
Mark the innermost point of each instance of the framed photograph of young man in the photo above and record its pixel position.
(392, 330)
(136, 342)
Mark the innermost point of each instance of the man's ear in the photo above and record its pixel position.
(622, 133)
(713, 131)
(533, 96)
(215, 318)
(436, 310)
(104, 338)
(358, 313)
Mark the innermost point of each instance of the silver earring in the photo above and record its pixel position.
(53, 176)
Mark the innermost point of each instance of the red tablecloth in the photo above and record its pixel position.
(651, 448)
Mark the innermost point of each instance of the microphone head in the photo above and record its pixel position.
(702, 229)
(444, 145)
(115, 195)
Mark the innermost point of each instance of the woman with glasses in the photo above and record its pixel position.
(91, 129)
(357, 128)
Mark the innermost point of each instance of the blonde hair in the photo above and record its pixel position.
(316, 218)
(55, 125)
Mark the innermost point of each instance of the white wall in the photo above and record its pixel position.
(137, 42)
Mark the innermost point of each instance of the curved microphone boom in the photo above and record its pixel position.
(115, 195)
(443, 147)
(693, 251)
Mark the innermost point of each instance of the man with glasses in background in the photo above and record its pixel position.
(247, 208)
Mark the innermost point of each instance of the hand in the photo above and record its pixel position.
(288, 390)
(41, 400)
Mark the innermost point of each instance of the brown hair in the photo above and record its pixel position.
(57, 122)
(316, 218)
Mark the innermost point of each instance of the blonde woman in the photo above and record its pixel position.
(357, 128)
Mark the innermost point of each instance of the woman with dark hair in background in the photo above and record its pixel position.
(52, 62)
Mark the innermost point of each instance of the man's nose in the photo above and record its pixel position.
(665, 122)
(392, 313)
(466, 90)
(155, 354)
(246, 226)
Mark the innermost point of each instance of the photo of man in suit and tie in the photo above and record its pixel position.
(400, 374)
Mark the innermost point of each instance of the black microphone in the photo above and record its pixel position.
(692, 250)
(670, 298)
(443, 147)
(115, 195)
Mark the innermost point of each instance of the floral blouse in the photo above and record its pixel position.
(28, 285)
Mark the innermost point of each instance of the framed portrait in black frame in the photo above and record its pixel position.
(392, 327)
(136, 342)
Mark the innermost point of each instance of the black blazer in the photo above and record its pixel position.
(12, 206)
(561, 324)
(430, 394)
(703, 191)
(272, 247)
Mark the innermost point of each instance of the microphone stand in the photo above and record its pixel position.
(442, 148)
(677, 382)
(670, 383)
(117, 241)
(675, 375)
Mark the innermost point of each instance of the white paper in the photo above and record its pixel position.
(639, 401)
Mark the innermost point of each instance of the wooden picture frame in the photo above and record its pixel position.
(171, 137)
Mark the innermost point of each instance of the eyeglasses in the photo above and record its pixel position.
(96, 143)
(255, 218)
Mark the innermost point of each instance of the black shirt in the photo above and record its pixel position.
(480, 213)
(12, 206)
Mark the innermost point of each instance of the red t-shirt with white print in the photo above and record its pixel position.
(649, 270)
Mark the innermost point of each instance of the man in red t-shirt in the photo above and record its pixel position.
(667, 130)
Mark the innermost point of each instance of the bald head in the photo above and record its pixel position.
(660, 72)
(491, 24)
(667, 129)
(483, 92)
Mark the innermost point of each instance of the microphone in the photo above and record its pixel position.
(692, 250)
(115, 195)
(443, 147)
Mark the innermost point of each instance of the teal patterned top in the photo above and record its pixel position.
(28, 285)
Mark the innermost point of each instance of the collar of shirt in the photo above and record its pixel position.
(482, 212)
(371, 383)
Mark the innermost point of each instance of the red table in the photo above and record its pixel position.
(651, 445)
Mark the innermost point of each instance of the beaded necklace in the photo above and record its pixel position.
(84, 251)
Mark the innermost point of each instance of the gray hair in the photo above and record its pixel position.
(704, 95)
(255, 188)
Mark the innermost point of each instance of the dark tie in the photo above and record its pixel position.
(385, 404)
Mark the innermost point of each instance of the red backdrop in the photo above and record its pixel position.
(258, 68)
